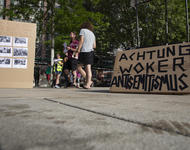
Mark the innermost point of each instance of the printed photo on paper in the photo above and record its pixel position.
(20, 52)
(6, 40)
(6, 51)
(20, 63)
(5, 62)
(20, 41)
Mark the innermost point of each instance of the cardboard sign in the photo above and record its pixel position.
(17, 53)
(163, 69)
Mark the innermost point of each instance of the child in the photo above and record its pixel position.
(58, 66)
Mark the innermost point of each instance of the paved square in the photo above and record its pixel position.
(70, 119)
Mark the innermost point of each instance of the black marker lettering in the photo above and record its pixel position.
(141, 55)
(182, 47)
(183, 82)
(137, 69)
(163, 53)
(125, 69)
(123, 56)
(149, 67)
(179, 64)
(169, 51)
(160, 65)
(131, 56)
(151, 52)
(114, 81)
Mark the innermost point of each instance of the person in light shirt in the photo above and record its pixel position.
(86, 47)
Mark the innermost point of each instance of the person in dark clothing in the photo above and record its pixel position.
(71, 64)
(36, 75)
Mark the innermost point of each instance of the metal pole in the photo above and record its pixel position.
(52, 41)
(137, 24)
(187, 19)
(166, 20)
(52, 54)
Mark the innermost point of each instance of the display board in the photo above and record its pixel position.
(162, 69)
(17, 53)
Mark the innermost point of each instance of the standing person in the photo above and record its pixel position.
(36, 75)
(58, 66)
(72, 61)
(86, 47)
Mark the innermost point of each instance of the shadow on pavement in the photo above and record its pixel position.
(141, 93)
(95, 91)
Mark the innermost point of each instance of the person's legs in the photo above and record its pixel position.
(57, 79)
(74, 77)
(66, 72)
(66, 75)
(78, 82)
(48, 78)
(82, 72)
(88, 76)
(74, 63)
(37, 78)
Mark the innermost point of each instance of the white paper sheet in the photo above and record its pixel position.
(20, 41)
(5, 40)
(20, 63)
(6, 51)
(20, 52)
(5, 62)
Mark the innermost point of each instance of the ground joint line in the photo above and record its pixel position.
(120, 118)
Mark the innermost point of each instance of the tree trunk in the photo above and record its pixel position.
(7, 4)
(43, 48)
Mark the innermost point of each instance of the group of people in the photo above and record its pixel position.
(79, 54)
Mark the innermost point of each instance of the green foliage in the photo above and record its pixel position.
(152, 22)
(114, 21)
(122, 22)
(71, 15)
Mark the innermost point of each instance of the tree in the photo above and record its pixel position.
(114, 21)
(121, 19)
(35, 11)
(69, 17)
(153, 22)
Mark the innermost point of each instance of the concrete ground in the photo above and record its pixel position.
(78, 119)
